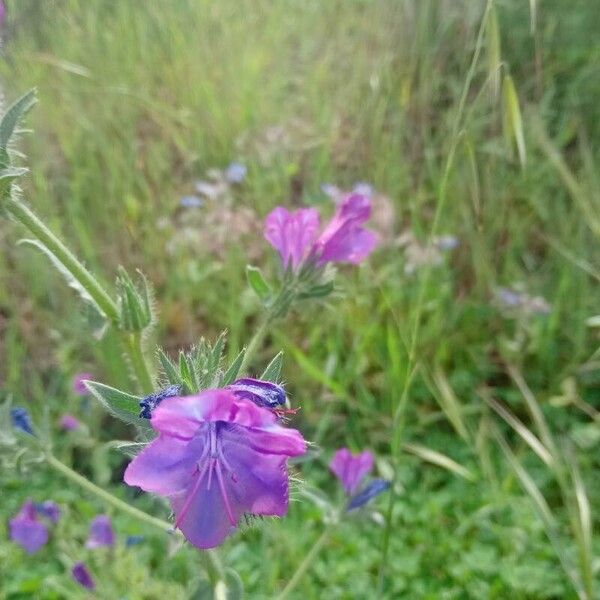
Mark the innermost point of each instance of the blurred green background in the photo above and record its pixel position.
(139, 100)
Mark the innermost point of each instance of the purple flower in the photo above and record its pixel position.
(48, 509)
(2, 12)
(217, 457)
(344, 239)
(263, 393)
(363, 188)
(292, 234)
(78, 385)
(235, 173)
(20, 420)
(82, 576)
(371, 490)
(101, 533)
(26, 530)
(69, 423)
(351, 469)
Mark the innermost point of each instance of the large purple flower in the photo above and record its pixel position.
(351, 469)
(217, 457)
(26, 530)
(295, 234)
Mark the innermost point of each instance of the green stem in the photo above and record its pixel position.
(308, 560)
(398, 417)
(212, 562)
(133, 347)
(24, 215)
(255, 342)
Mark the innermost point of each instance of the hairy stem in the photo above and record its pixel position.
(24, 215)
(210, 558)
(133, 347)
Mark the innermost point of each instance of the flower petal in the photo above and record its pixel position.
(166, 465)
(291, 234)
(28, 533)
(350, 469)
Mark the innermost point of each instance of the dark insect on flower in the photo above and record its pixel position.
(20, 419)
(263, 393)
(149, 403)
(373, 489)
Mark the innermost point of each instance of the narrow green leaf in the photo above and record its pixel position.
(493, 51)
(232, 372)
(169, 369)
(258, 283)
(16, 111)
(439, 459)
(120, 404)
(513, 123)
(273, 370)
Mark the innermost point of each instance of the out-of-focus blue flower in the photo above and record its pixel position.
(363, 188)
(82, 576)
(191, 202)
(447, 242)
(20, 419)
(371, 490)
(236, 172)
(48, 509)
(133, 540)
(149, 403)
(509, 297)
(333, 192)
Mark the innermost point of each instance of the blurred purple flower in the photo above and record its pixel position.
(447, 242)
(101, 533)
(191, 202)
(82, 576)
(351, 469)
(20, 419)
(78, 385)
(26, 530)
(235, 173)
(294, 234)
(48, 509)
(263, 393)
(69, 423)
(2, 12)
(217, 457)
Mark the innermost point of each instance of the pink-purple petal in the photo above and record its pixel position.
(165, 465)
(351, 469)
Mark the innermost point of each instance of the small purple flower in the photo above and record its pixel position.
(235, 173)
(217, 457)
(344, 239)
(351, 469)
(69, 423)
(48, 509)
(77, 384)
(20, 419)
(263, 393)
(2, 12)
(82, 576)
(191, 202)
(26, 530)
(101, 533)
(371, 490)
(149, 403)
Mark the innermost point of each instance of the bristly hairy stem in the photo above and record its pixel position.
(255, 341)
(308, 560)
(131, 342)
(24, 215)
(398, 416)
(133, 347)
(210, 558)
